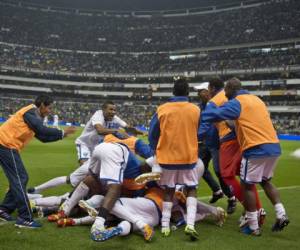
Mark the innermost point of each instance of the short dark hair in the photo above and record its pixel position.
(181, 87)
(216, 83)
(105, 105)
(45, 99)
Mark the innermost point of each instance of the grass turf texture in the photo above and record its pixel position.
(45, 161)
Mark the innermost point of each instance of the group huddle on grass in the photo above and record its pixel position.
(117, 193)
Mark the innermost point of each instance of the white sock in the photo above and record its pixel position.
(79, 193)
(48, 201)
(140, 224)
(166, 213)
(125, 225)
(88, 220)
(279, 209)
(191, 209)
(95, 201)
(252, 220)
(52, 183)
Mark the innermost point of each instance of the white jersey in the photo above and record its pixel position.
(90, 137)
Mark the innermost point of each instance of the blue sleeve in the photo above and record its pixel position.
(154, 132)
(143, 149)
(229, 111)
(42, 132)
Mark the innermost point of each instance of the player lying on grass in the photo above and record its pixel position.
(109, 164)
(136, 213)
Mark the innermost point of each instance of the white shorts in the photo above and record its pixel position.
(109, 161)
(186, 177)
(142, 208)
(83, 152)
(256, 170)
(80, 173)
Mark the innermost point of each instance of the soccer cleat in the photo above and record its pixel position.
(66, 222)
(247, 230)
(89, 209)
(221, 216)
(280, 224)
(148, 232)
(21, 223)
(4, 216)
(144, 178)
(243, 220)
(261, 216)
(166, 231)
(55, 217)
(31, 190)
(216, 196)
(106, 234)
(190, 230)
(232, 203)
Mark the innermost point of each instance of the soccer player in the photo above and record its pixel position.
(230, 151)
(210, 150)
(15, 134)
(173, 136)
(135, 144)
(260, 148)
(141, 211)
(102, 123)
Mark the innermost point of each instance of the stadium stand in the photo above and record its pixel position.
(131, 57)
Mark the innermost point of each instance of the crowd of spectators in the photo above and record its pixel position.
(79, 112)
(53, 60)
(273, 21)
(137, 114)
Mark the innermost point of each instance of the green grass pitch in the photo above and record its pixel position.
(45, 161)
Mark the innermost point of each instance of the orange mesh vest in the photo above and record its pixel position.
(219, 99)
(15, 133)
(254, 126)
(157, 195)
(178, 141)
(129, 142)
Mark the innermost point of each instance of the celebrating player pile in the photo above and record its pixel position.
(120, 194)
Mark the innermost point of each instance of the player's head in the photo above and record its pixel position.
(232, 87)
(202, 91)
(109, 110)
(44, 104)
(215, 85)
(181, 87)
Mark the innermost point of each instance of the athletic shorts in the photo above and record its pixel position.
(256, 170)
(109, 161)
(187, 177)
(230, 158)
(83, 152)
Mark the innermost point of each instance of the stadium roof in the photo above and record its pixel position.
(132, 5)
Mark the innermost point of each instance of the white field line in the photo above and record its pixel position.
(260, 191)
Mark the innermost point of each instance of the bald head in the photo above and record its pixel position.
(232, 87)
